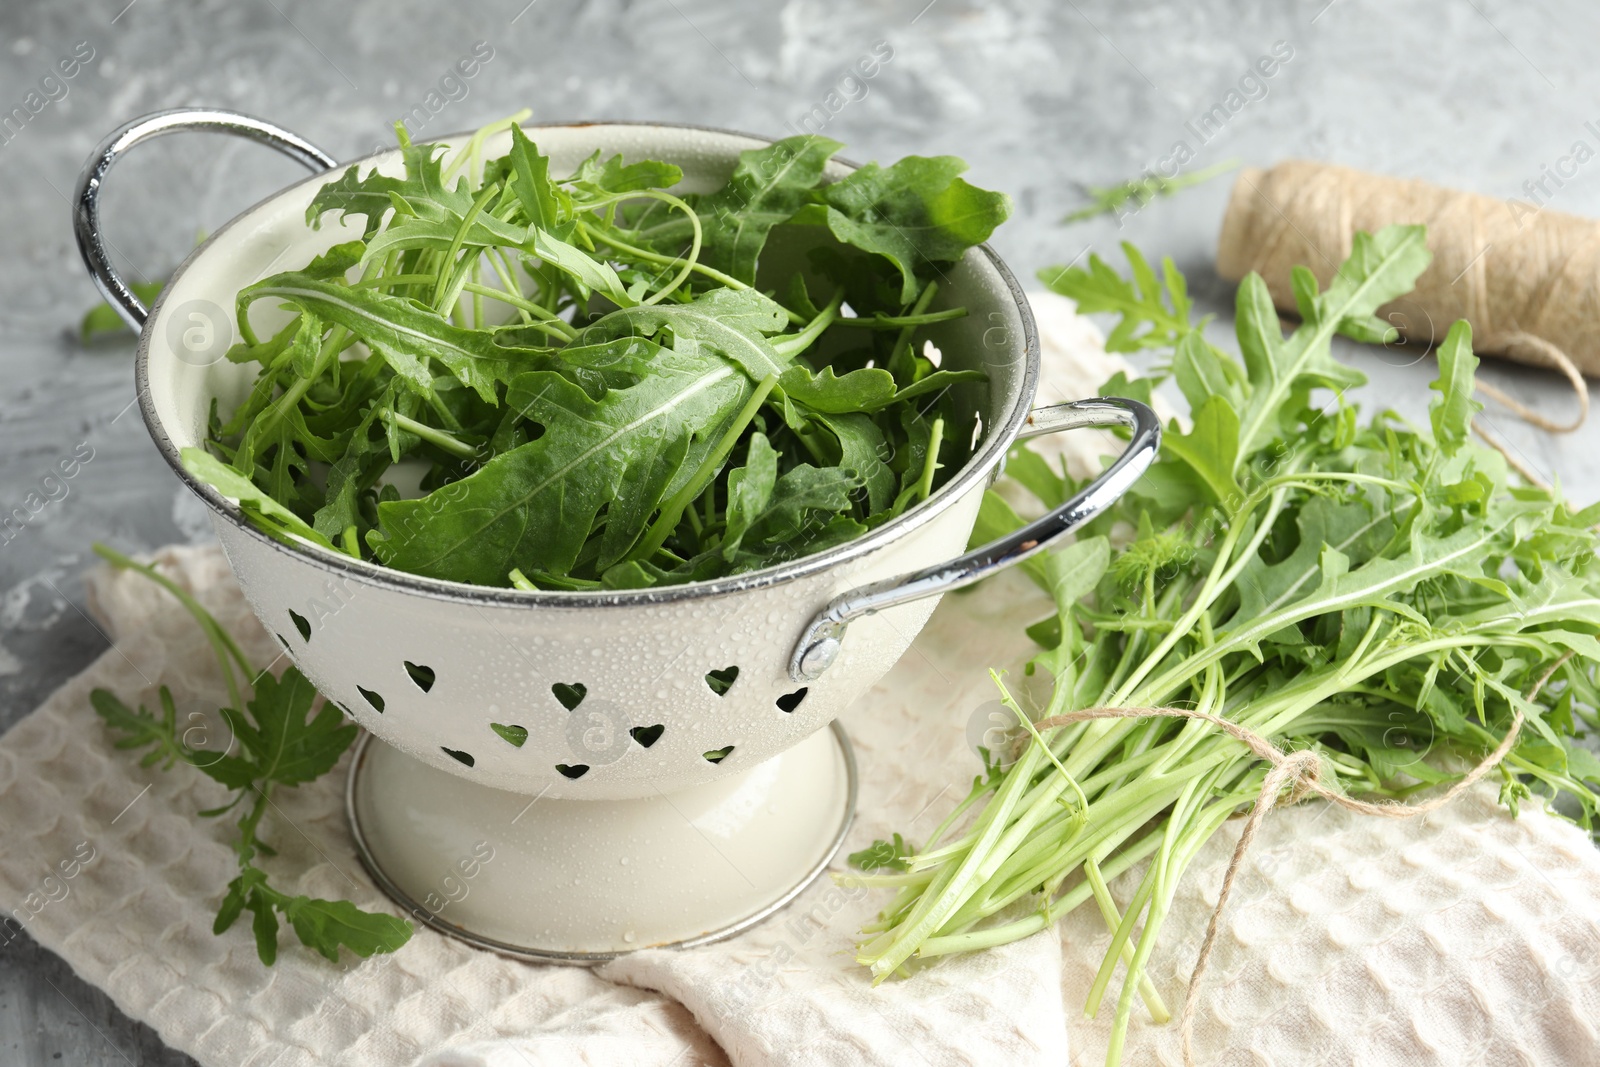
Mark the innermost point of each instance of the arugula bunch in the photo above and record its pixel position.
(280, 743)
(590, 381)
(1376, 592)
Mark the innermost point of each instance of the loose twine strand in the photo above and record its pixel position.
(1301, 772)
(1524, 277)
(1559, 360)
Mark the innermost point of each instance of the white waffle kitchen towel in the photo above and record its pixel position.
(1463, 938)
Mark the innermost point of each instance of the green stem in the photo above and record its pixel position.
(895, 322)
(471, 149)
(930, 462)
(918, 309)
(226, 648)
(434, 437)
(549, 321)
(792, 346)
(497, 260)
(446, 285)
(391, 280)
(686, 264)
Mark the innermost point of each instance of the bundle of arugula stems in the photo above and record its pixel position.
(584, 374)
(1378, 594)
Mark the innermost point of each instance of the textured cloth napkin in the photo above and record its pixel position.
(1463, 938)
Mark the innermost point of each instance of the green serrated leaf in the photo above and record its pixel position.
(328, 925)
(407, 335)
(1099, 288)
(1451, 413)
(532, 508)
(915, 213)
(883, 855)
(288, 744)
(1211, 448)
(767, 187)
(104, 319)
(236, 487)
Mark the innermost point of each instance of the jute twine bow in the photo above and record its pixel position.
(1300, 772)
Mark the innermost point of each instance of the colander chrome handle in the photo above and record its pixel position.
(820, 642)
(86, 202)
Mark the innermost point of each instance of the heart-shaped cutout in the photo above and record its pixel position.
(516, 735)
(647, 735)
(423, 676)
(722, 681)
(570, 694)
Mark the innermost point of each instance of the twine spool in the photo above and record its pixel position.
(1528, 280)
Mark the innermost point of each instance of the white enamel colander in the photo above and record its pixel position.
(592, 696)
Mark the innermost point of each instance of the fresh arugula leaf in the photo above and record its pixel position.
(866, 389)
(533, 507)
(1203, 372)
(767, 187)
(616, 176)
(590, 274)
(1109, 199)
(104, 319)
(288, 745)
(1163, 308)
(141, 729)
(353, 194)
(749, 492)
(1452, 412)
(735, 324)
(328, 925)
(337, 261)
(282, 745)
(1380, 268)
(542, 200)
(1211, 447)
(404, 334)
(916, 213)
(236, 487)
(884, 855)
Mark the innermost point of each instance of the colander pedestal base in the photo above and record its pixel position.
(583, 881)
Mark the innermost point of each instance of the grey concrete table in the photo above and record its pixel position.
(1039, 96)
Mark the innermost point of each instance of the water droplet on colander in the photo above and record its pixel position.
(628, 936)
(624, 861)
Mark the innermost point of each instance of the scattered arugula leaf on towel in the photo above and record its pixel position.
(280, 743)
